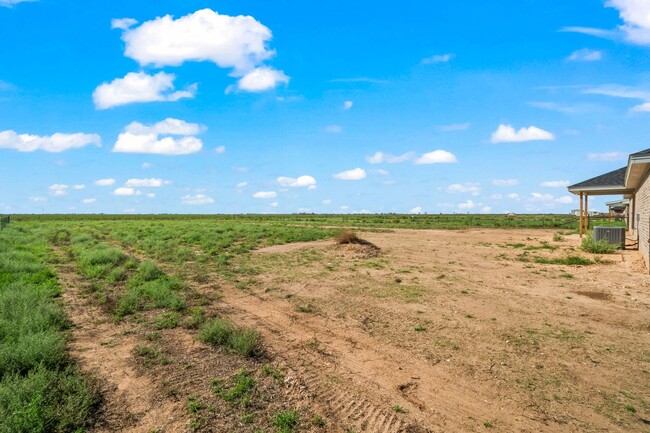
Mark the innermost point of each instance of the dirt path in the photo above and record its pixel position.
(132, 401)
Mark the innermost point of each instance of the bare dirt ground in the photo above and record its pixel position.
(458, 331)
(439, 331)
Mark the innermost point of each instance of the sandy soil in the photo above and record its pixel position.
(459, 331)
(438, 331)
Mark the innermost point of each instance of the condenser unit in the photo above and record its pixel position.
(613, 235)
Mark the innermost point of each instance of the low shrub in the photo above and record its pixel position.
(222, 332)
(597, 247)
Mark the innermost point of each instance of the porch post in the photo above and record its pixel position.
(580, 219)
(586, 213)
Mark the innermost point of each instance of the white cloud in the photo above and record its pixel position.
(344, 207)
(146, 165)
(124, 191)
(505, 182)
(327, 202)
(230, 42)
(262, 79)
(235, 42)
(606, 156)
(617, 91)
(469, 204)
(168, 126)
(440, 58)
(507, 134)
(564, 200)
(105, 182)
(636, 17)
(123, 23)
(54, 143)
(642, 108)
(354, 174)
(302, 181)
(89, 200)
(139, 87)
(347, 105)
(197, 199)
(496, 196)
(513, 196)
(585, 55)
(452, 127)
(473, 188)
(149, 143)
(10, 3)
(274, 204)
(151, 195)
(220, 150)
(592, 31)
(37, 198)
(541, 197)
(242, 184)
(416, 210)
(146, 183)
(555, 184)
(380, 157)
(78, 187)
(58, 189)
(265, 194)
(334, 129)
(437, 157)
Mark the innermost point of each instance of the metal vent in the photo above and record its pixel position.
(613, 235)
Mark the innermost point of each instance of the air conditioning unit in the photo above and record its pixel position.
(613, 235)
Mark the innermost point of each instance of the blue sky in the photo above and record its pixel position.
(294, 106)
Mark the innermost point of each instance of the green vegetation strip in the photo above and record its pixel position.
(40, 389)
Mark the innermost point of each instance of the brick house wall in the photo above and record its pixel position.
(642, 218)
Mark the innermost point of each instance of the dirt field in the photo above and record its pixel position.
(441, 331)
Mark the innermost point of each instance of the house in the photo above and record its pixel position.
(633, 183)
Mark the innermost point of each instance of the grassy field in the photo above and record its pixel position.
(155, 286)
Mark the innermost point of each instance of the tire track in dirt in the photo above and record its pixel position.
(132, 402)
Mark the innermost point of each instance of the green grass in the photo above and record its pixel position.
(222, 332)
(237, 390)
(285, 422)
(589, 245)
(40, 389)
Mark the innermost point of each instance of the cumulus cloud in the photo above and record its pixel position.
(549, 199)
(507, 134)
(585, 55)
(416, 210)
(379, 157)
(555, 184)
(146, 165)
(440, 58)
(302, 181)
(437, 157)
(564, 200)
(146, 183)
(641, 108)
(220, 149)
(354, 174)
(274, 204)
(168, 126)
(54, 143)
(327, 202)
(89, 200)
(239, 43)
(473, 188)
(265, 194)
(636, 17)
(139, 87)
(262, 79)
(197, 199)
(242, 184)
(347, 105)
(139, 138)
(105, 182)
(606, 156)
(469, 204)
(505, 182)
(37, 198)
(125, 191)
(58, 189)
(149, 143)
(78, 187)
